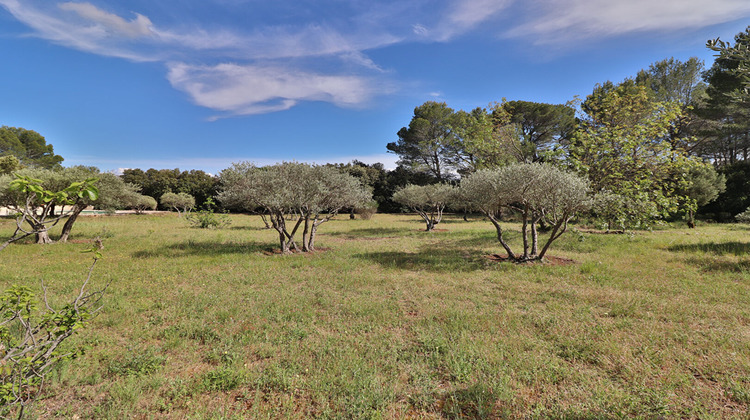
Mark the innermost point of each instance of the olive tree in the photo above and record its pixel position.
(312, 195)
(233, 197)
(333, 191)
(140, 203)
(429, 201)
(181, 202)
(537, 192)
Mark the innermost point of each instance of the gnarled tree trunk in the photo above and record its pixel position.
(77, 209)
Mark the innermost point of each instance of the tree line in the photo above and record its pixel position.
(670, 141)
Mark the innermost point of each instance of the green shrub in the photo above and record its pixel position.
(207, 218)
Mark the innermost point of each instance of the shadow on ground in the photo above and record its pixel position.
(718, 265)
(249, 228)
(368, 233)
(429, 258)
(192, 248)
(724, 248)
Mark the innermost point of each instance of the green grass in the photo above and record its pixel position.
(393, 322)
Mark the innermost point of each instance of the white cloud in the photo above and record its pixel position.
(468, 13)
(276, 41)
(465, 15)
(420, 30)
(254, 89)
(82, 27)
(109, 23)
(565, 20)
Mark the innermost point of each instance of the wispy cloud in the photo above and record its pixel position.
(108, 23)
(253, 89)
(562, 21)
(464, 15)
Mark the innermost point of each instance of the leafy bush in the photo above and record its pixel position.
(31, 339)
(428, 201)
(207, 218)
(743, 217)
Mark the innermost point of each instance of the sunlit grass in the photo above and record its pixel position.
(391, 322)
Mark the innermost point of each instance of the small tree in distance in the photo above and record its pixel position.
(180, 202)
(140, 203)
(429, 201)
(537, 192)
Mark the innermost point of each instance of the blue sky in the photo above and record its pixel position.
(199, 84)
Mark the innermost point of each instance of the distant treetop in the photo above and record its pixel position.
(29, 147)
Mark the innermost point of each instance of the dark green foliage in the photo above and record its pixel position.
(157, 182)
(29, 147)
(738, 57)
(736, 198)
(384, 182)
(725, 109)
(424, 144)
(541, 125)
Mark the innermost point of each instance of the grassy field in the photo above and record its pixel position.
(392, 322)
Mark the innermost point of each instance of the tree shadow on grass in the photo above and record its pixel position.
(254, 228)
(368, 233)
(723, 248)
(714, 265)
(193, 248)
(435, 259)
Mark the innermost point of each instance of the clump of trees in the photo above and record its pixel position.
(537, 192)
(311, 194)
(157, 182)
(429, 201)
